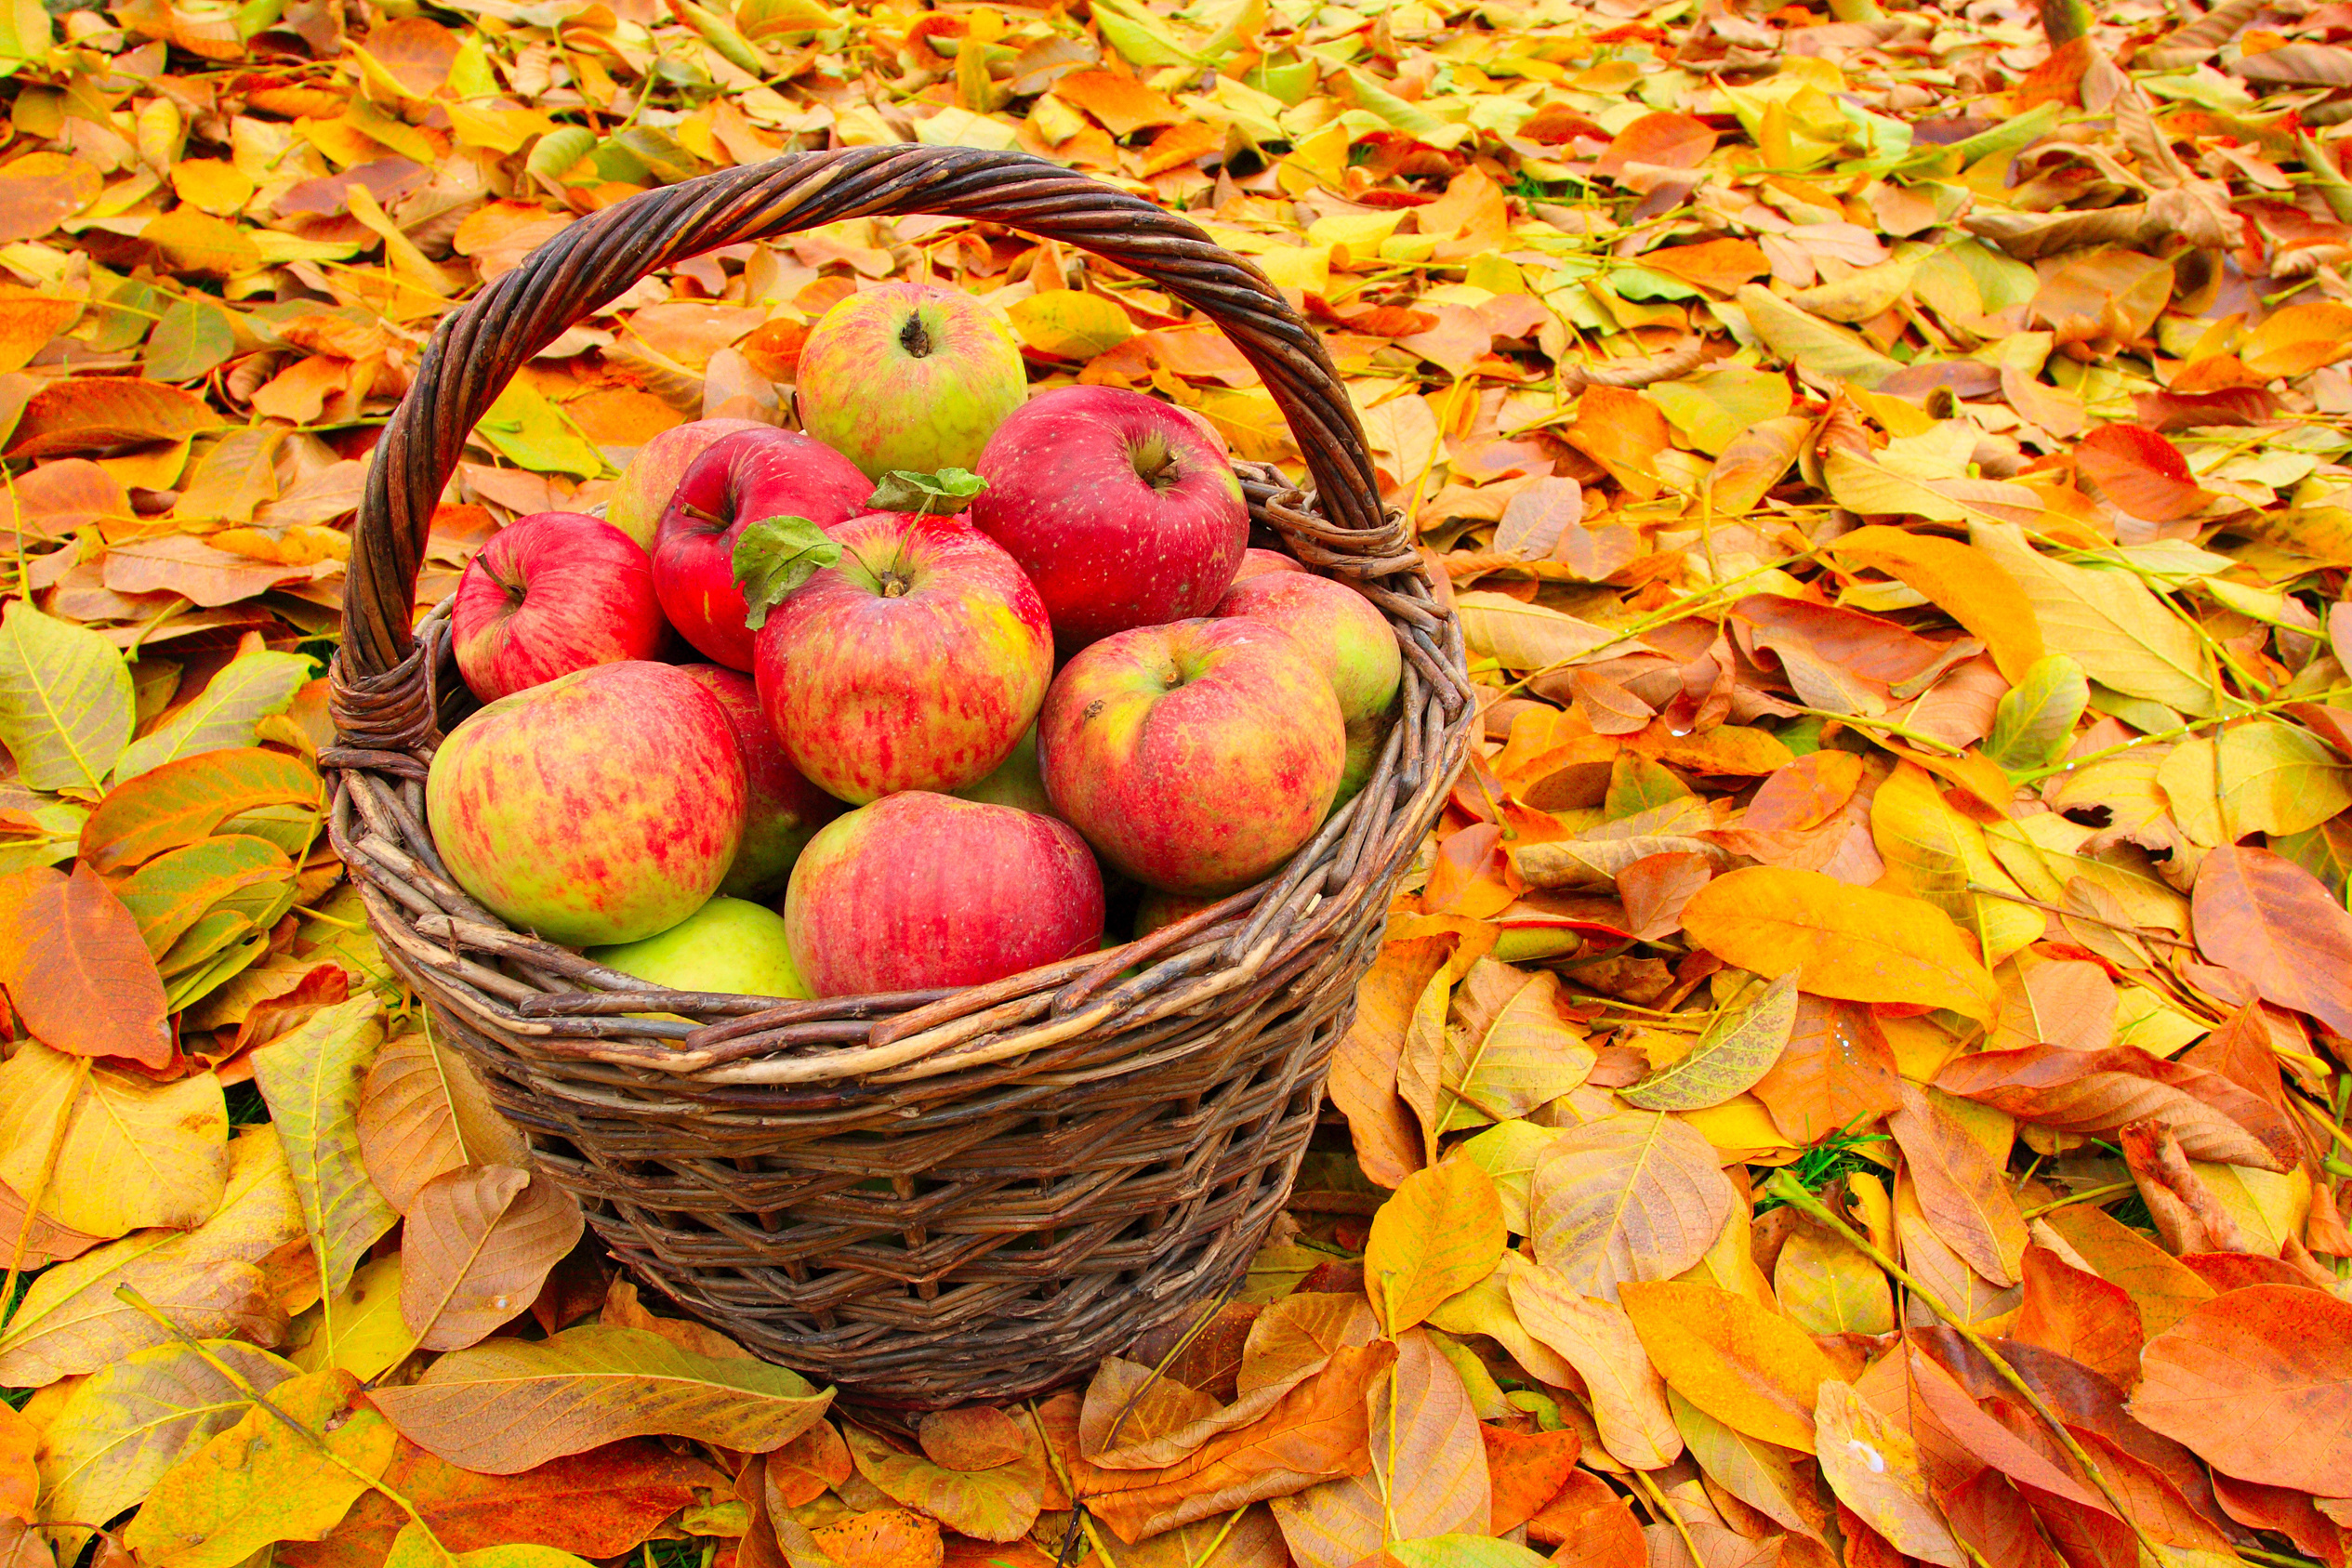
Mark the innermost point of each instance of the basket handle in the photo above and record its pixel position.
(476, 351)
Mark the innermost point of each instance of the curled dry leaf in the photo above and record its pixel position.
(2099, 1091)
(478, 1243)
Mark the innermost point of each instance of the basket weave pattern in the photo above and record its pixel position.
(937, 1196)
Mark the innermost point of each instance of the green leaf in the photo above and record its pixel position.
(1737, 1050)
(174, 891)
(311, 1080)
(2036, 719)
(66, 709)
(941, 494)
(1464, 1551)
(559, 150)
(775, 556)
(194, 337)
(1826, 354)
(509, 1405)
(244, 693)
(527, 427)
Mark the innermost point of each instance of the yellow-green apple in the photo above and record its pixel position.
(918, 890)
(1196, 756)
(781, 811)
(914, 662)
(642, 494)
(1016, 781)
(728, 945)
(1339, 629)
(1256, 562)
(1159, 908)
(739, 479)
(602, 807)
(906, 375)
(549, 594)
(1122, 512)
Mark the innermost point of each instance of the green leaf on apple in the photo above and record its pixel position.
(944, 493)
(777, 555)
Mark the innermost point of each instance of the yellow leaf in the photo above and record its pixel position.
(1855, 943)
(1754, 1372)
(262, 1481)
(1826, 1286)
(219, 188)
(2261, 777)
(1439, 1234)
(2108, 622)
(1963, 581)
(1069, 324)
(2298, 339)
(1635, 1196)
(1872, 1465)
(1936, 853)
(1525, 637)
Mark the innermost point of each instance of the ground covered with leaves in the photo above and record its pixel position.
(1858, 1074)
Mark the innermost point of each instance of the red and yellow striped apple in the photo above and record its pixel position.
(907, 375)
(553, 593)
(781, 811)
(1338, 627)
(1117, 506)
(1196, 756)
(602, 807)
(919, 889)
(914, 662)
(642, 494)
(739, 479)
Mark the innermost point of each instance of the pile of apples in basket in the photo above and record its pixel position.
(880, 780)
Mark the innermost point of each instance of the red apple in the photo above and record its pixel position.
(602, 807)
(553, 593)
(1197, 755)
(1350, 641)
(913, 663)
(906, 375)
(739, 479)
(1257, 563)
(642, 494)
(1119, 509)
(918, 891)
(783, 810)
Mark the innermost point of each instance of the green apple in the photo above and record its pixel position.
(728, 945)
(906, 375)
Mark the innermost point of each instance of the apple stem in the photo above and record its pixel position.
(913, 340)
(1155, 463)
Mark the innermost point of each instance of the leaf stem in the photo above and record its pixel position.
(1789, 1190)
(1667, 1512)
(1861, 722)
(2082, 1197)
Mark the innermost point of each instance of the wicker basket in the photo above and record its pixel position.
(936, 1196)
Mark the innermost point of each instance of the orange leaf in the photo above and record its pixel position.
(1962, 1190)
(2269, 919)
(2141, 472)
(95, 414)
(1123, 104)
(1663, 140)
(2258, 1384)
(1719, 265)
(1755, 1372)
(1179, 145)
(2080, 1315)
(77, 968)
(1527, 1470)
(1593, 1526)
(41, 190)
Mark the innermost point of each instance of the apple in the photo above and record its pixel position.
(1116, 506)
(1365, 738)
(1350, 641)
(551, 593)
(914, 662)
(1257, 562)
(642, 494)
(1196, 756)
(602, 807)
(1016, 781)
(918, 890)
(906, 375)
(1160, 909)
(739, 479)
(728, 945)
(781, 811)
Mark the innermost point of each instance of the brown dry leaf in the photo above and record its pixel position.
(1388, 1140)
(478, 1243)
(970, 1437)
(423, 1110)
(2099, 1091)
(995, 1504)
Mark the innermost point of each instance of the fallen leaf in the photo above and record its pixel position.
(77, 970)
(2270, 920)
(1855, 943)
(132, 1153)
(1440, 1233)
(423, 1110)
(1636, 1195)
(1755, 1372)
(1599, 1341)
(2278, 1350)
(1735, 1053)
(997, 1504)
(311, 1078)
(1961, 1188)
(478, 1243)
(1872, 1466)
(65, 699)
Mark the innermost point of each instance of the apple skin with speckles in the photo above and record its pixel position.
(917, 661)
(739, 479)
(1117, 506)
(783, 810)
(1257, 563)
(551, 593)
(1196, 756)
(919, 889)
(602, 807)
(642, 494)
(909, 376)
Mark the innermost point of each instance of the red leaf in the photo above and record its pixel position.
(2273, 922)
(2141, 472)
